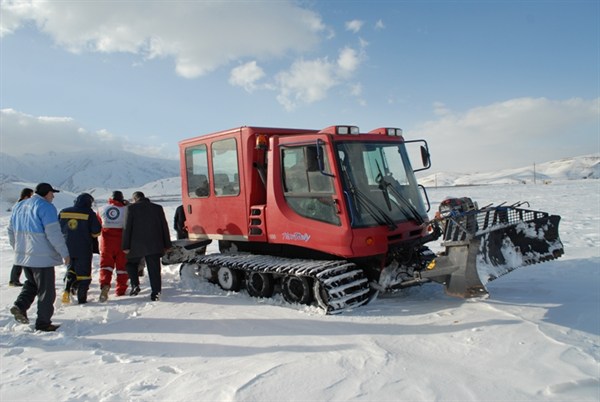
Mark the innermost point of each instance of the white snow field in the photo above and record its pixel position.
(536, 338)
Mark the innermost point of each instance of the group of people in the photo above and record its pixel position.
(42, 238)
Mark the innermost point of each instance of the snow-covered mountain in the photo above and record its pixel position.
(576, 168)
(82, 171)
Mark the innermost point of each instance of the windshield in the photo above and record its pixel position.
(379, 184)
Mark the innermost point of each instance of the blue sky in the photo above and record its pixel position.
(489, 84)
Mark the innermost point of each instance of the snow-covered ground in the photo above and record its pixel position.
(537, 337)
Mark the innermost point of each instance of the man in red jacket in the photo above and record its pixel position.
(112, 216)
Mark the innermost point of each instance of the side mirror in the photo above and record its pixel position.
(425, 158)
(414, 154)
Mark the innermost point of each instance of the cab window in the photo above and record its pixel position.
(225, 167)
(308, 184)
(196, 164)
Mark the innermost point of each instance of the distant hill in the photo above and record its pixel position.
(81, 171)
(576, 168)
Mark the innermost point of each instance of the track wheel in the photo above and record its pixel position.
(229, 279)
(296, 289)
(321, 295)
(209, 273)
(259, 284)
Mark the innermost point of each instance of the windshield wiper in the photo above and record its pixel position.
(406, 207)
(382, 184)
(369, 205)
(373, 209)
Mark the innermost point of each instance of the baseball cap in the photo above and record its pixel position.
(44, 188)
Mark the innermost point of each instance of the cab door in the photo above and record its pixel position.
(304, 204)
(214, 203)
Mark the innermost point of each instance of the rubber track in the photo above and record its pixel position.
(344, 283)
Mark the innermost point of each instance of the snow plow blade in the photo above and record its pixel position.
(484, 244)
(185, 250)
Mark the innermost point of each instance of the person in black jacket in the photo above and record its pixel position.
(145, 236)
(179, 223)
(81, 227)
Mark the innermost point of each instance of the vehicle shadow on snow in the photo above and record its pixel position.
(242, 316)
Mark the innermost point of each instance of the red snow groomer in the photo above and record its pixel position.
(332, 217)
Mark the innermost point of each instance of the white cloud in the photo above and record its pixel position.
(354, 25)
(512, 133)
(200, 36)
(379, 25)
(23, 133)
(310, 81)
(348, 61)
(305, 82)
(246, 76)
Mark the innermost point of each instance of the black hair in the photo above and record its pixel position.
(25, 193)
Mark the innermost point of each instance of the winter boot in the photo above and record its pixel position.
(66, 297)
(135, 290)
(47, 328)
(20, 316)
(104, 293)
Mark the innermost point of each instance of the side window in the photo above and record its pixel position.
(196, 167)
(295, 178)
(225, 167)
(308, 191)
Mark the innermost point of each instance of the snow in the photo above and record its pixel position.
(536, 337)
(580, 167)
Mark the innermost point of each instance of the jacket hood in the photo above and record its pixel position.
(84, 200)
(112, 201)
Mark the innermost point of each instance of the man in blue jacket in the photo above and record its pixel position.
(81, 226)
(34, 233)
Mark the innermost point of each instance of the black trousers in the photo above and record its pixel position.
(39, 282)
(154, 267)
(82, 267)
(15, 273)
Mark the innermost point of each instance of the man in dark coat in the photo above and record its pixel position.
(81, 227)
(179, 223)
(145, 236)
